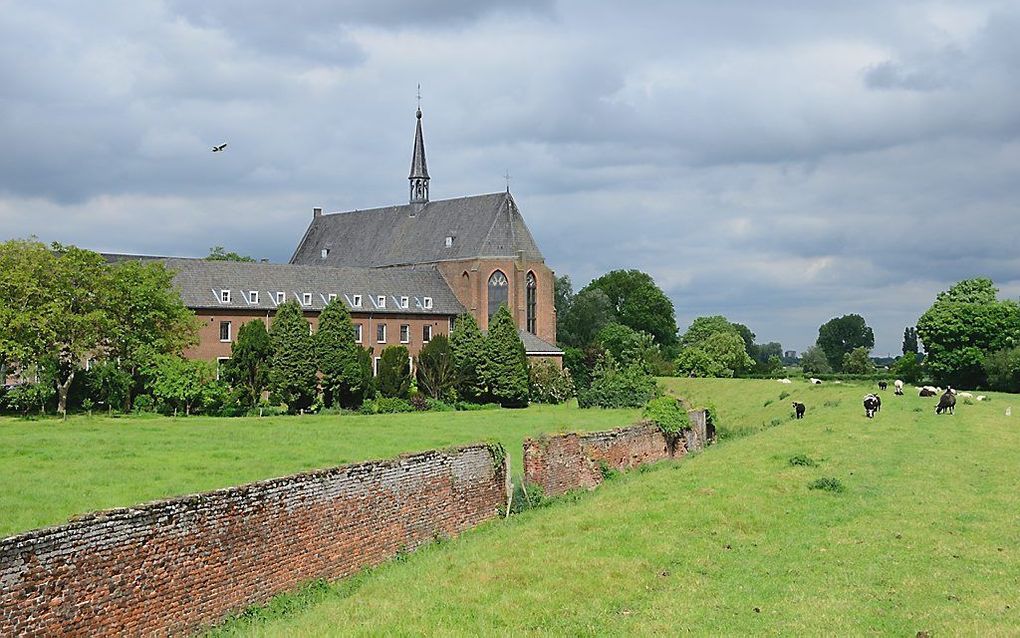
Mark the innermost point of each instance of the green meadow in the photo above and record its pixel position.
(833, 525)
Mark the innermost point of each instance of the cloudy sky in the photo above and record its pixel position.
(775, 162)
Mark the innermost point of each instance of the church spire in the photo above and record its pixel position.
(419, 176)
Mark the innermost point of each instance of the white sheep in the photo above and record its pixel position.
(785, 381)
(899, 386)
(981, 397)
(815, 381)
(964, 395)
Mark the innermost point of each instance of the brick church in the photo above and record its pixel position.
(405, 272)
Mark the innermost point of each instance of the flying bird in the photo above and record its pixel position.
(217, 149)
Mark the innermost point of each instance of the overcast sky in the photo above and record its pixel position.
(777, 162)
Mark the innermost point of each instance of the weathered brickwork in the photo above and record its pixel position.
(173, 566)
(564, 462)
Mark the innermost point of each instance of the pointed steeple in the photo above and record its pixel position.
(419, 176)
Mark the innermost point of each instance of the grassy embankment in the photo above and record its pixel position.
(924, 536)
(51, 470)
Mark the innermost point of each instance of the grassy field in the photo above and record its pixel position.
(51, 470)
(924, 536)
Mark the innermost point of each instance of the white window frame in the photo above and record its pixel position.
(306, 299)
(375, 366)
(356, 301)
(253, 296)
(219, 365)
(331, 297)
(405, 333)
(281, 297)
(426, 303)
(453, 321)
(230, 331)
(426, 329)
(405, 302)
(377, 327)
(224, 296)
(449, 241)
(357, 333)
(380, 301)
(324, 253)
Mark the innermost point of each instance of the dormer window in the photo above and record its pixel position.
(281, 297)
(426, 303)
(253, 296)
(356, 301)
(331, 296)
(404, 302)
(225, 296)
(380, 301)
(306, 299)
(324, 253)
(449, 241)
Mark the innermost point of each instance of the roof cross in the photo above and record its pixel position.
(506, 176)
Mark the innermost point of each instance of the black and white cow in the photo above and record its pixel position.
(872, 404)
(798, 409)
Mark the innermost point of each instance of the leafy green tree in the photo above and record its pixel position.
(179, 383)
(965, 324)
(394, 372)
(629, 346)
(639, 304)
(773, 365)
(581, 362)
(107, 384)
(910, 345)
(1003, 369)
(563, 298)
(840, 335)
(26, 271)
(504, 370)
(247, 371)
(437, 369)
(613, 386)
(762, 353)
(292, 370)
(219, 253)
(704, 327)
(336, 353)
(907, 368)
(548, 383)
(695, 362)
(727, 349)
(590, 311)
(468, 345)
(814, 361)
(858, 361)
(748, 337)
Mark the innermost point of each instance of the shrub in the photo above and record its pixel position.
(467, 406)
(581, 362)
(436, 405)
(695, 362)
(337, 356)
(548, 383)
(669, 415)
(437, 369)
(802, 460)
(612, 387)
(828, 484)
(419, 402)
(386, 405)
(28, 397)
(505, 367)
(247, 370)
(292, 371)
(144, 404)
(858, 361)
(394, 378)
(468, 345)
(1003, 369)
(783, 395)
(908, 368)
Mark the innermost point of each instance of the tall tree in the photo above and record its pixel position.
(840, 335)
(858, 361)
(437, 369)
(292, 369)
(563, 297)
(910, 345)
(590, 311)
(247, 371)
(468, 345)
(394, 372)
(219, 253)
(337, 355)
(704, 327)
(505, 367)
(639, 303)
(814, 361)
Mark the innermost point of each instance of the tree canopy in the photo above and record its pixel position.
(639, 304)
(839, 335)
(219, 253)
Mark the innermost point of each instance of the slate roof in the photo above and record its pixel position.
(480, 225)
(534, 345)
(200, 282)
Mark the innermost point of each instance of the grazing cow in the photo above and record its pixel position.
(882, 385)
(871, 405)
(899, 387)
(947, 402)
(798, 409)
(926, 391)
(815, 381)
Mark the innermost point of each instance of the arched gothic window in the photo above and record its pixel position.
(532, 302)
(498, 288)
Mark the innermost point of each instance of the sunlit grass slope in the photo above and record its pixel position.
(51, 470)
(925, 536)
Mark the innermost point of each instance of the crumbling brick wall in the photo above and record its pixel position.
(563, 462)
(173, 566)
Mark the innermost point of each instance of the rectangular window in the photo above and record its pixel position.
(325, 253)
(453, 320)
(309, 327)
(356, 301)
(357, 332)
(404, 302)
(427, 303)
(331, 296)
(405, 333)
(225, 296)
(375, 366)
(281, 297)
(306, 299)
(253, 296)
(380, 333)
(381, 301)
(449, 241)
(219, 365)
(224, 331)
(426, 333)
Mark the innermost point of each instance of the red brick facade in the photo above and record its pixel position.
(564, 462)
(174, 566)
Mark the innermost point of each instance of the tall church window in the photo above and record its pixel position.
(498, 287)
(531, 302)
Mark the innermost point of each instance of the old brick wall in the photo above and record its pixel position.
(173, 566)
(563, 462)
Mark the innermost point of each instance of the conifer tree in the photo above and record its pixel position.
(505, 366)
(394, 372)
(437, 369)
(336, 353)
(292, 370)
(468, 345)
(247, 371)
